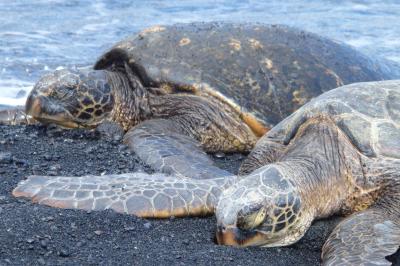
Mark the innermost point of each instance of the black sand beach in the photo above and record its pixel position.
(32, 234)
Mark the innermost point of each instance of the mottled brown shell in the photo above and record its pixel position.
(269, 71)
(368, 113)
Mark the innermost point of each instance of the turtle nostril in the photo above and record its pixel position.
(221, 228)
(227, 235)
(220, 234)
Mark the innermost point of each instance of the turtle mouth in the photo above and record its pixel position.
(233, 236)
(56, 120)
(47, 112)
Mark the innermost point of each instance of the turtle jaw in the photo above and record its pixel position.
(46, 112)
(233, 236)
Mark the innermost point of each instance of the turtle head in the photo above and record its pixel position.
(263, 209)
(71, 98)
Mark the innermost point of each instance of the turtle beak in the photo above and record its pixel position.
(45, 111)
(233, 236)
(227, 236)
(33, 106)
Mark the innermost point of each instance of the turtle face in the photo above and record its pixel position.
(262, 209)
(71, 98)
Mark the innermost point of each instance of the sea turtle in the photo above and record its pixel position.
(338, 154)
(184, 89)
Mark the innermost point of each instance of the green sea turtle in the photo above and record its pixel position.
(338, 154)
(184, 89)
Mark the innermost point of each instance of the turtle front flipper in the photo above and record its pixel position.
(140, 194)
(161, 144)
(15, 116)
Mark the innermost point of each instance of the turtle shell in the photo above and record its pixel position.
(269, 71)
(368, 113)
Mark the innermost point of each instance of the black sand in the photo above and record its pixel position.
(32, 234)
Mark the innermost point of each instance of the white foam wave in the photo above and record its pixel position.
(360, 42)
(394, 58)
(12, 101)
(11, 89)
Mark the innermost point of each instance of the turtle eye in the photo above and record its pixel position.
(251, 217)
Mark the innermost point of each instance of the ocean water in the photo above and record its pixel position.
(38, 36)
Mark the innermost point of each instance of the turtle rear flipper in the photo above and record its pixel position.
(140, 194)
(161, 144)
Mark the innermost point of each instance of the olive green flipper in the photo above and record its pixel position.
(15, 116)
(153, 196)
(364, 238)
(161, 144)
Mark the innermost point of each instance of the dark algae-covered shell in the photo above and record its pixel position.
(267, 70)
